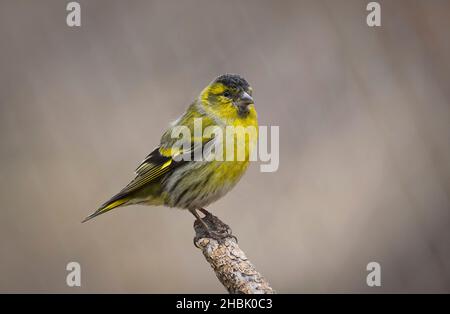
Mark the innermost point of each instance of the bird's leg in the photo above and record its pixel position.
(197, 216)
(204, 211)
(207, 213)
(213, 227)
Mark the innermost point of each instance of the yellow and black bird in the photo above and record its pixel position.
(164, 179)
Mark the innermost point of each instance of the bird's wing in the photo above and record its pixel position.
(161, 161)
(152, 168)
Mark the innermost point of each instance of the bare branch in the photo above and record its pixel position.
(236, 273)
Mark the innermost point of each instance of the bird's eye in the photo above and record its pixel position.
(227, 94)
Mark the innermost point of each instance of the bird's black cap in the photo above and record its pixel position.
(233, 81)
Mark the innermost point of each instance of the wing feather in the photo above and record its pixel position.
(154, 166)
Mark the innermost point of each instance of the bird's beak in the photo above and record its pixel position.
(243, 102)
(246, 99)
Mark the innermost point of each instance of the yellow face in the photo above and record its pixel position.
(232, 104)
(228, 102)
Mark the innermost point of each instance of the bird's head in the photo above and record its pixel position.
(228, 96)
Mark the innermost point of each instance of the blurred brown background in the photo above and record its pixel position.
(364, 120)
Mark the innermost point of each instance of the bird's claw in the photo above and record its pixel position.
(213, 228)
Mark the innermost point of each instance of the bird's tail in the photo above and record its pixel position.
(106, 207)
